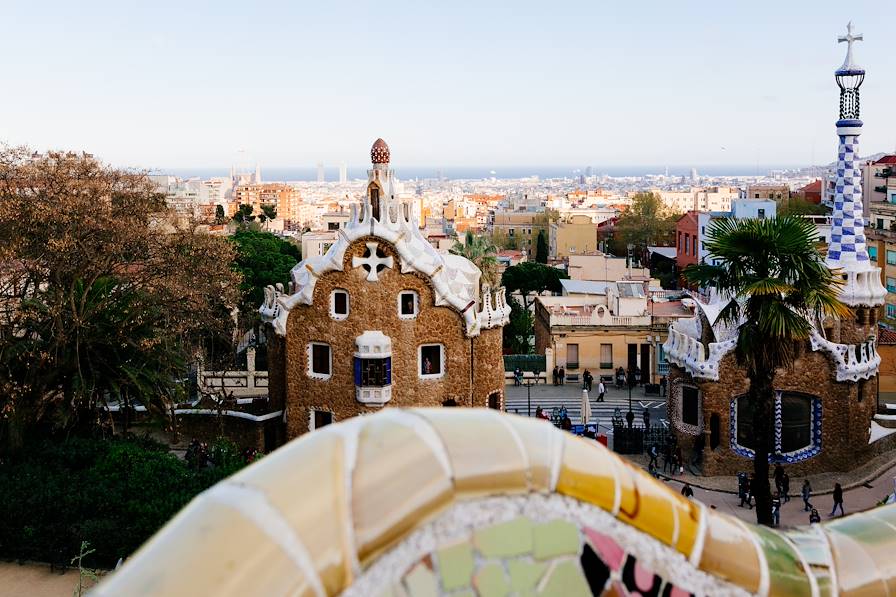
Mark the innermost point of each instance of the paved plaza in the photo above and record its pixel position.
(863, 487)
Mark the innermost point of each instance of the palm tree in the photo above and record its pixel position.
(779, 289)
(482, 253)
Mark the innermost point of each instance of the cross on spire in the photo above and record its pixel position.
(849, 38)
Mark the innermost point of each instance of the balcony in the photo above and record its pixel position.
(880, 189)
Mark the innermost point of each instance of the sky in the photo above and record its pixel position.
(189, 84)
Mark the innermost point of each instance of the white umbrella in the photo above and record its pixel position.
(586, 407)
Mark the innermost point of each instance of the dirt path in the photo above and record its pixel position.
(36, 580)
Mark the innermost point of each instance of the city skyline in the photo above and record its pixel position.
(571, 85)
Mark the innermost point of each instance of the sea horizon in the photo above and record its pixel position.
(331, 173)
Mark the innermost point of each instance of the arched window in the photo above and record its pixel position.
(797, 427)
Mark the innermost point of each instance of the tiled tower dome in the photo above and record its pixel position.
(379, 153)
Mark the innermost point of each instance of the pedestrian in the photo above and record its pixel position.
(679, 460)
(667, 456)
(646, 417)
(814, 516)
(562, 376)
(653, 452)
(806, 493)
(779, 472)
(555, 374)
(601, 390)
(838, 499)
(586, 380)
(663, 385)
(776, 510)
(745, 497)
(517, 377)
(686, 491)
(540, 414)
(785, 486)
(620, 378)
(699, 444)
(566, 424)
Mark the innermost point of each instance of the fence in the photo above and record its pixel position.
(525, 362)
(636, 440)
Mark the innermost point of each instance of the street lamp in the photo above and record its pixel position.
(634, 376)
(529, 383)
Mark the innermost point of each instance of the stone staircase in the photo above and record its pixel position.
(600, 411)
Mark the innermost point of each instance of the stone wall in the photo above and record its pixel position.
(242, 432)
(847, 409)
(472, 367)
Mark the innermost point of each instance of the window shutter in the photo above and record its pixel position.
(388, 366)
(357, 371)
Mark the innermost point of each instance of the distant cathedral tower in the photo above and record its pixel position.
(847, 251)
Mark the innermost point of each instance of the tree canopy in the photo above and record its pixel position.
(779, 289)
(263, 259)
(532, 277)
(102, 295)
(482, 253)
(541, 247)
(647, 222)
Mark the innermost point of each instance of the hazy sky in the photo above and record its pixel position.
(454, 83)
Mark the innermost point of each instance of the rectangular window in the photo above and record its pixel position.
(572, 356)
(694, 243)
(320, 359)
(687, 243)
(880, 223)
(407, 304)
(373, 372)
(332, 225)
(320, 418)
(606, 356)
(679, 242)
(431, 360)
(339, 304)
(872, 253)
(891, 311)
(760, 214)
(690, 406)
(891, 284)
(891, 257)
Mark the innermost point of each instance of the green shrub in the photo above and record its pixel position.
(112, 493)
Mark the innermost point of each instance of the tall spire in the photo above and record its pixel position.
(847, 251)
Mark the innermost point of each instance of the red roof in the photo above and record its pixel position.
(887, 336)
(887, 159)
(812, 187)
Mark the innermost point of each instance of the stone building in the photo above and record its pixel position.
(382, 319)
(825, 403)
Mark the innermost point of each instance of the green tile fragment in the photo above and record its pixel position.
(456, 566)
(490, 581)
(511, 538)
(566, 578)
(524, 575)
(421, 582)
(555, 538)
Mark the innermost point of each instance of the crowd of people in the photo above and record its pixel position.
(782, 495)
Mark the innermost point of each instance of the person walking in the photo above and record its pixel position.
(745, 497)
(556, 375)
(667, 456)
(806, 493)
(779, 472)
(517, 377)
(601, 390)
(646, 417)
(586, 380)
(687, 491)
(663, 383)
(776, 510)
(653, 452)
(562, 376)
(838, 499)
(785, 486)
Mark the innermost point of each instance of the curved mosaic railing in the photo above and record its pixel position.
(502, 503)
(689, 353)
(853, 361)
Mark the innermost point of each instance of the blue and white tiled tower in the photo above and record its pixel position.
(847, 252)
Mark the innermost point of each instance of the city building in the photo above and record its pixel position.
(879, 182)
(572, 234)
(824, 403)
(282, 197)
(382, 318)
(601, 326)
(599, 267)
(810, 193)
(517, 229)
(321, 177)
(775, 192)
